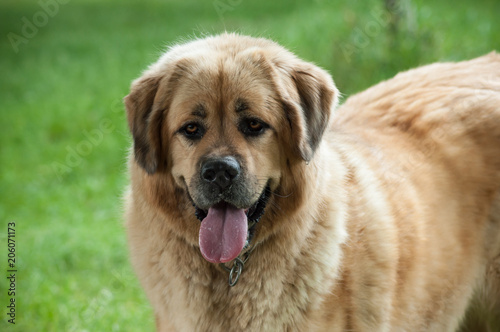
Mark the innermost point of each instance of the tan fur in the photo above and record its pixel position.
(389, 221)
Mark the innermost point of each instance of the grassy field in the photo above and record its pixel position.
(65, 68)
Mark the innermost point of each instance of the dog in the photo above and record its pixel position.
(255, 205)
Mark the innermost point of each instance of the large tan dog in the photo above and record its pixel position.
(384, 216)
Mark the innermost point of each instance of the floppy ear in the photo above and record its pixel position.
(309, 96)
(145, 122)
(149, 98)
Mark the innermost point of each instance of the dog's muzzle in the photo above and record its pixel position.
(228, 212)
(220, 173)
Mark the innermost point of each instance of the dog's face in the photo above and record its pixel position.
(222, 137)
(226, 118)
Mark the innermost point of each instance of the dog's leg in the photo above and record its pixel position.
(493, 272)
(484, 310)
(493, 281)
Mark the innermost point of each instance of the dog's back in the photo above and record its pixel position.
(436, 105)
(436, 130)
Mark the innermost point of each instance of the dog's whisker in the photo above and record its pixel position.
(282, 196)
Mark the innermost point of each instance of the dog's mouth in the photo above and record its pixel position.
(227, 230)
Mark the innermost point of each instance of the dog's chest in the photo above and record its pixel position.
(263, 300)
(260, 306)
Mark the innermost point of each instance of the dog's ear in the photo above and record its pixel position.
(146, 104)
(309, 96)
(145, 122)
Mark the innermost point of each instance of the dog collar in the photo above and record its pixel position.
(237, 268)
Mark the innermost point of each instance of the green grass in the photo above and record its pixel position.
(67, 82)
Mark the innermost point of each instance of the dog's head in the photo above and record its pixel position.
(225, 117)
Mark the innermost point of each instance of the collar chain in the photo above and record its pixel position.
(237, 268)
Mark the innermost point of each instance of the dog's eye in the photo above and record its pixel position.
(253, 127)
(192, 131)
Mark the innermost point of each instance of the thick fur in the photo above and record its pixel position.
(384, 216)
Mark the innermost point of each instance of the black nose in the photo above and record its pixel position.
(220, 171)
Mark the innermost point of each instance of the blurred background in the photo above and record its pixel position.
(65, 66)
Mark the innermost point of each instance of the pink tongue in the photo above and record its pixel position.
(223, 233)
